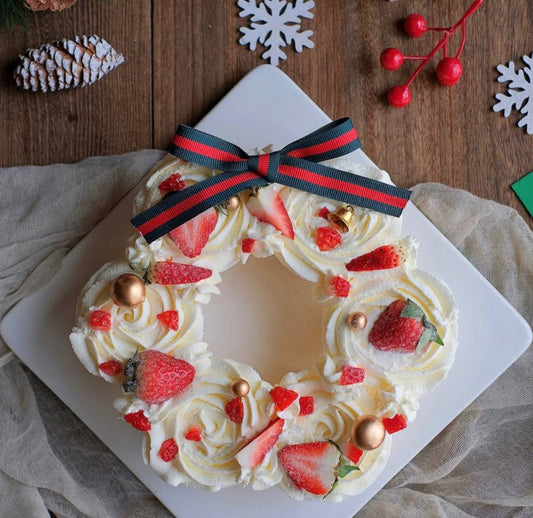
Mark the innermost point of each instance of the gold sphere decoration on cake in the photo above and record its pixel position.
(128, 290)
(368, 432)
(357, 320)
(342, 218)
(232, 204)
(240, 387)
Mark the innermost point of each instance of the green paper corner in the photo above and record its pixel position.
(523, 188)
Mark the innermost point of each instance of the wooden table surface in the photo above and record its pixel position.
(182, 56)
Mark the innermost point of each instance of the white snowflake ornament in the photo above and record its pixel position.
(520, 91)
(276, 24)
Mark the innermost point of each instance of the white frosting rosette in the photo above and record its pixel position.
(209, 463)
(370, 228)
(132, 329)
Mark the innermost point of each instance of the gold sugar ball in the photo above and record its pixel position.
(357, 321)
(240, 387)
(368, 432)
(232, 203)
(128, 290)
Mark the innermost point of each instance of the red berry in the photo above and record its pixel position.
(391, 59)
(138, 420)
(169, 449)
(415, 25)
(283, 397)
(338, 287)
(247, 245)
(399, 96)
(111, 368)
(449, 71)
(194, 434)
(100, 320)
(351, 375)
(327, 238)
(307, 405)
(169, 319)
(235, 410)
(172, 183)
(394, 424)
(323, 213)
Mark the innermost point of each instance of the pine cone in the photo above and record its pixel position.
(66, 64)
(52, 5)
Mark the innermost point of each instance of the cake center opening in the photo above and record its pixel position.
(267, 317)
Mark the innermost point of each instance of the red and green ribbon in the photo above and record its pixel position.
(296, 166)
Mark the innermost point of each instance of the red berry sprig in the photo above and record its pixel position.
(449, 70)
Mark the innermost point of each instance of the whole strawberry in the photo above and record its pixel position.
(156, 377)
(403, 327)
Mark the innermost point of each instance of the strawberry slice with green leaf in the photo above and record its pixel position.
(192, 236)
(403, 327)
(382, 258)
(266, 205)
(311, 466)
(255, 451)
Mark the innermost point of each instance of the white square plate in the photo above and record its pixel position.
(266, 107)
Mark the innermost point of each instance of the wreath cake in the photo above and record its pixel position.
(389, 336)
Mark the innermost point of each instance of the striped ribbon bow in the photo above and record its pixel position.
(295, 166)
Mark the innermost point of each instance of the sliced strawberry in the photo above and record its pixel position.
(167, 272)
(351, 452)
(338, 287)
(192, 236)
(169, 449)
(351, 375)
(235, 410)
(194, 434)
(327, 239)
(111, 367)
(159, 376)
(248, 245)
(267, 206)
(172, 183)
(138, 420)
(311, 466)
(394, 424)
(169, 319)
(323, 213)
(255, 451)
(283, 397)
(382, 258)
(100, 320)
(403, 327)
(307, 405)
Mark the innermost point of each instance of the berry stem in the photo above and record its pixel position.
(445, 50)
(444, 40)
(463, 39)
(439, 29)
(414, 58)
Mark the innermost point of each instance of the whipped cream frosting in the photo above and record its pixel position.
(132, 329)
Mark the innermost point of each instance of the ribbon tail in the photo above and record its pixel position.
(179, 207)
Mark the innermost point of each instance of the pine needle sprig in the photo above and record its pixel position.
(14, 13)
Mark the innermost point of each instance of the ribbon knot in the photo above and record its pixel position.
(296, 166)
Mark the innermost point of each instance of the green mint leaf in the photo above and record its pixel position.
(342, 471)
(412, 310)
(437, 339)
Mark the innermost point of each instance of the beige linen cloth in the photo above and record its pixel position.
(480, 465)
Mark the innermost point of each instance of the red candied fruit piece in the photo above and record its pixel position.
(235, 410)
(339, 287)
(283, 397)
(327, 239)
(111, 367)
(169, 449)
(194, 434)
(353, 453)
(323, 213)
(138, 420)
(172, 183)
(100, 320)
(395, 424)
(248, 245)
(307, 405)
(169, 319)
(351, 375)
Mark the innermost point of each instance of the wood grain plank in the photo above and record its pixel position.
(109, 117)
